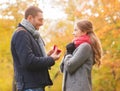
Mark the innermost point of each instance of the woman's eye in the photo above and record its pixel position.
(75, 29)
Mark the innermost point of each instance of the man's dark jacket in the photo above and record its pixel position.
(30, 67)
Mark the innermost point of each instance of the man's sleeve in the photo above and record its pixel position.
(26, 56)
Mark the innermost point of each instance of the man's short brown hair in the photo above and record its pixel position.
(32, 10)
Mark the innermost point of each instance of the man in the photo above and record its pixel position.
(31, 63)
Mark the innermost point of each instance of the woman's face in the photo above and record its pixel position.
(77, 32)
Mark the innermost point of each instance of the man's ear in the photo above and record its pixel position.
(29, 18)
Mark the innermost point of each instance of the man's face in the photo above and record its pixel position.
(37, 21)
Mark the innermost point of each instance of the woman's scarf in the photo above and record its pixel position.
(79, 40)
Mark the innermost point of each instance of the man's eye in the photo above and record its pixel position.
(41, 19)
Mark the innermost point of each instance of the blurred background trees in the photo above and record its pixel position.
(105, 16)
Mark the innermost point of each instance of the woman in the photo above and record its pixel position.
(84, 51)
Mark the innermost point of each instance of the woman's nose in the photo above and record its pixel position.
(73, 33)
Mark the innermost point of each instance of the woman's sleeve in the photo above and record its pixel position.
(72, 63)
(62, 62)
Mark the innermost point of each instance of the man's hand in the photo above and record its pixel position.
(55, 54)
(50, 52)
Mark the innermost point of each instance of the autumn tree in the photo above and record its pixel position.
(105, 15)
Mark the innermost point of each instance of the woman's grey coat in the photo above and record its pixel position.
(77, 69)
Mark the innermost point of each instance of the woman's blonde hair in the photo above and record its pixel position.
(86, 26)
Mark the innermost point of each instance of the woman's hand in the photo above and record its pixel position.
(70, 48)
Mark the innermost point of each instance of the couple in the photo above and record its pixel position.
(31, 63)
